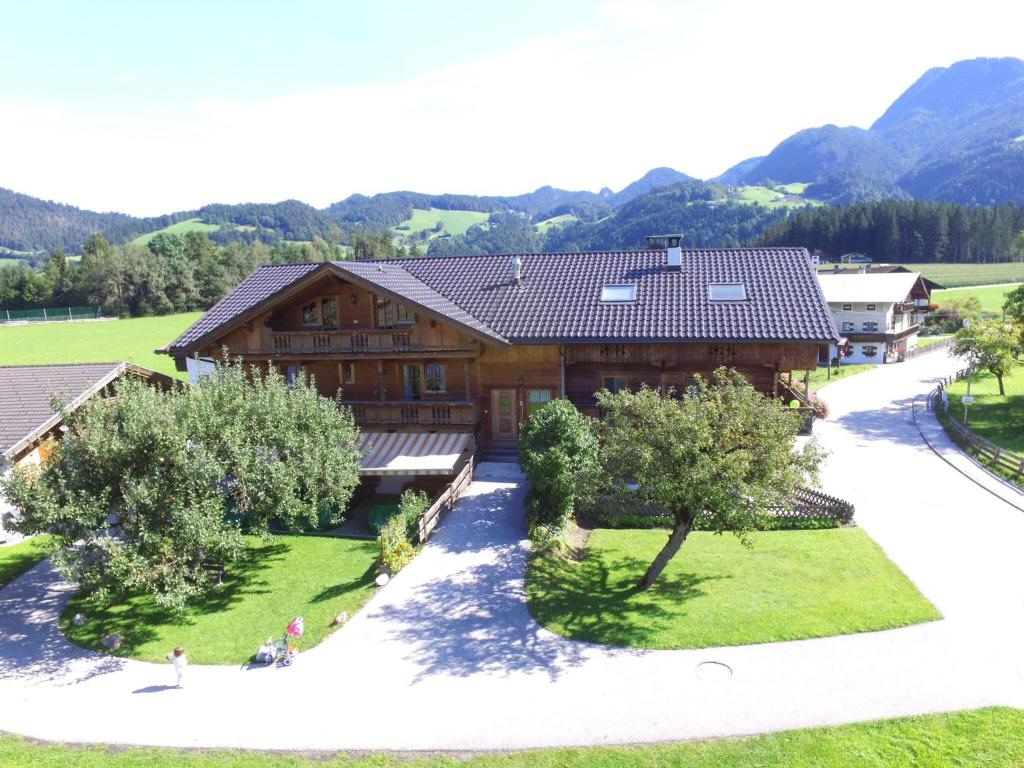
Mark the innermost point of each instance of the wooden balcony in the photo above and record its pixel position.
(415, 413)
(364, 343)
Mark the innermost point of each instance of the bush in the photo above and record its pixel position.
(412, 505)
(559, 455)
(381, 514)
(395, 549)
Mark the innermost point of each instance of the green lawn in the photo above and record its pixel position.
(316, 577)
(991, 298)
(15, 559)
(999, 419)
(923, 342)
(790, 585)
(983, 738)
(790, 195)
(819, 376)
(181, 228)
(454, 222)
(95, 342)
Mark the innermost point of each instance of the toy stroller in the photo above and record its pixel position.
(284, 650)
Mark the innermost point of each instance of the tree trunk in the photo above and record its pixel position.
(999, 378)
(675, 541)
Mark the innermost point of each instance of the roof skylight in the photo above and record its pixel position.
(727, 292)
(618, 293)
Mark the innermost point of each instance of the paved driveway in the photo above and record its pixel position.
(447, 656)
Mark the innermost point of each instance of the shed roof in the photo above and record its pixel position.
(878, 287)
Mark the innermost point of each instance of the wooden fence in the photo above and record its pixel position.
(944, 344)
(1008, 461)
(446, 501)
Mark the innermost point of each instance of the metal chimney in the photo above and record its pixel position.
(517, 269)
(671, 244)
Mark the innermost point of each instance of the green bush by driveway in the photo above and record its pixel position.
(316, 577)
(790, 585)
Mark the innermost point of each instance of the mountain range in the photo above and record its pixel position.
(956, 135)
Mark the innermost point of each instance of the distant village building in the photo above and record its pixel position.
(878, 315)
(854, 258)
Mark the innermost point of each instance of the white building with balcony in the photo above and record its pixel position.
(878, 315)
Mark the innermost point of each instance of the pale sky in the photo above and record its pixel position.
(147, 108)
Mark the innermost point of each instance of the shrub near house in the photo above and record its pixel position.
(183, 474)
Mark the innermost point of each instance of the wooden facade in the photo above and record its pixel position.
(400, 369)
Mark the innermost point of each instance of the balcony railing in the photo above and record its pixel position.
(418, 413)
(369, 342)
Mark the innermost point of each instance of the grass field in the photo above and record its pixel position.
(453, 222)
(924, 342)
(784, 196)
(316, 577)
(790, 585)
(999, 419)
(982, 738)
(566, 218)
(181, 228)
(18, 558)
(991, 298)
(95, 342)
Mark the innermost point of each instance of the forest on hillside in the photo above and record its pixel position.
(904, 231)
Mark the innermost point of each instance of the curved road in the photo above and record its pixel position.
(447, 656)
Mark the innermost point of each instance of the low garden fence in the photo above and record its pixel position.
(1008, 462)
(51, 315)
(445, 501)
(807, 509)
(944, 344)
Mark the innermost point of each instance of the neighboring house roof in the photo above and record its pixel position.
(837, 269)
(27, 391)
(559, 296)
(878, 288)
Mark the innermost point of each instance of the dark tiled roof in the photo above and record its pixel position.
(260, 285)
(559, 298)
(26, 392)
(393, 277)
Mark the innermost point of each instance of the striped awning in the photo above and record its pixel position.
(411, 453)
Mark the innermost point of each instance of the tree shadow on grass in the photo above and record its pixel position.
(138, 618)
(597, 599)
(344, 588)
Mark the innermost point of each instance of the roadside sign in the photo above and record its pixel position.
(967, 399)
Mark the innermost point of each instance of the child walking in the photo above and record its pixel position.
(178, 658)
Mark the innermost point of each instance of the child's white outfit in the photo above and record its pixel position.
(179, 662)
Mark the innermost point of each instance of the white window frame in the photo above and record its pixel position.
(727, 292)
(619, 293)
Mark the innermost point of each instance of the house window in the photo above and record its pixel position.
(391, 313)
(871, 307)
(614, 384)
(613, 294)
(329, 313)
(847, 325)
(309, 314)
(537, 398)
(870, 326)
(348, 373)
(727, 292)
(433, 376)
(291, 375)
(869, 350)
(847, 307)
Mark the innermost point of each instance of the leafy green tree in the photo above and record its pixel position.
(721, 449)
(990, 345)
(1013, 308)
(559, 455)
(152, 489)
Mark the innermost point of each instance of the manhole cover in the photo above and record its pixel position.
(713, 671)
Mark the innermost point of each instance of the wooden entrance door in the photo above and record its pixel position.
(504, 425)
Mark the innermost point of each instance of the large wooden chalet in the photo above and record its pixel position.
(474, 344)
